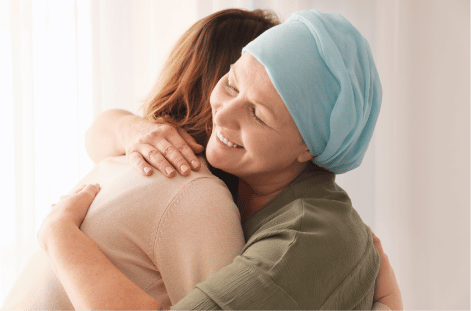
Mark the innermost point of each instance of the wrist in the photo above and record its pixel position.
(128, 127)
(53, 231)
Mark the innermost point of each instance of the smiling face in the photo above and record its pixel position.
(254, 137)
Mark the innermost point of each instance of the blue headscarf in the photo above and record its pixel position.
(323, 69)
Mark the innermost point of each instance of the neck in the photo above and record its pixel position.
(254, 193)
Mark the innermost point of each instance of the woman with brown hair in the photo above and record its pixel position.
(285, 126)
(166, 235)
(180, 97)
(84, 270)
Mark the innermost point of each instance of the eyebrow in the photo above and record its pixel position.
(255, 102)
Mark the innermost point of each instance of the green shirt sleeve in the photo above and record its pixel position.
(249, 284)
(238, 286)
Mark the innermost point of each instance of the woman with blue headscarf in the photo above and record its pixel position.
(298, 107)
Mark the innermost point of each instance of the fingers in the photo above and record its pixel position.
(176, 149)
(87, 193)
(164, 147)
(167, 157)
(197, 148)
(168, 142)
(91, 189)
(76, 191)
(154, 157)
(377, 242)
(173, 155)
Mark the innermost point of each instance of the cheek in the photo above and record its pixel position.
(264, 146)
(275, 148)
(216, 96)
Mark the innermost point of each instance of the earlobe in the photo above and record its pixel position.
(305, 156)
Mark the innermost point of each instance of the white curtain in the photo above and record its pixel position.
(422, 149)
(64, 61)
(46, 96)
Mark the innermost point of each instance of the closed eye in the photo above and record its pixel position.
(257, 118)
(230, 86)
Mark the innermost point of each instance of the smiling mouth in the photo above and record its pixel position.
(225, 141)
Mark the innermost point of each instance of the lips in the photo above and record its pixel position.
(225, 140)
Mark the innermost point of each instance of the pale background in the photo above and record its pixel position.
(62, 62)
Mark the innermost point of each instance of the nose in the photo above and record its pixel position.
(228, 114)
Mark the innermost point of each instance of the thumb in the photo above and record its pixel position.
(90, 191)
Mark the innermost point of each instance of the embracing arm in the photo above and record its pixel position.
(106, 136)
(387, 290)
(91, 281)
(199, 234)
(118, 132)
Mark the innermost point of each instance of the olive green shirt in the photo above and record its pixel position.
(307, 249)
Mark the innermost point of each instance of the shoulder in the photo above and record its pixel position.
(329, 228)
(202, 188)
(202, 198)
(334, 257)
(313, 237)
(202, 194)
(116, 173)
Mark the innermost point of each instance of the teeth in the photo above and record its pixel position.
(224, 140)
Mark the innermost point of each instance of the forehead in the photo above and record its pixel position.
(254, 82)
(251, 69)
(255, 85)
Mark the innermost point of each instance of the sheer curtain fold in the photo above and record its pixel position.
(64, 61)
(45, 117)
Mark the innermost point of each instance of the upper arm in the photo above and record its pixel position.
(199, 233)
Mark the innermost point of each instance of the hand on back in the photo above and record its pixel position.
(69, 211)
(162, 146)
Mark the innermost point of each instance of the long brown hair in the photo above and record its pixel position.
(199, 59)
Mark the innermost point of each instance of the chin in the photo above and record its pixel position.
(215, 159)
(219, 160)
(214, 156)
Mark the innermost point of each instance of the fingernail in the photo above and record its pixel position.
(147, 170)
(169, 170)
(98, 186)
(184, 168)
(194, 163)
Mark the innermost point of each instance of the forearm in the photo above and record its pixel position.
(91, 281)
(106, 136)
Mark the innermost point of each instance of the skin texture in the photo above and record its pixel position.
(249, 112)
(118, 132)
(92, 282)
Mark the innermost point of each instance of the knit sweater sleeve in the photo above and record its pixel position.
(198, 234)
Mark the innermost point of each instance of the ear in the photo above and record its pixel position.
(305, 156)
